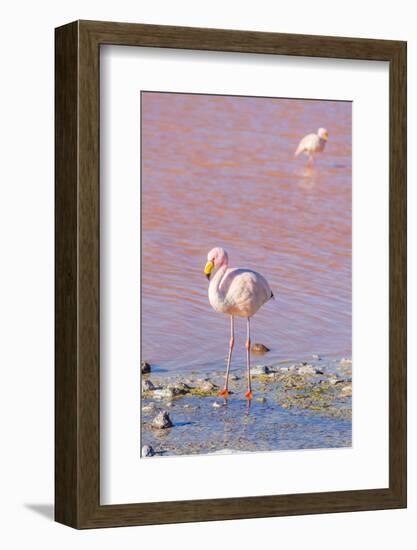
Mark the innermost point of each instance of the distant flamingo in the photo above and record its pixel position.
(313, 143)
(235, 291)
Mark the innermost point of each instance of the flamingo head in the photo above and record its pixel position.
(215, 259)
(323, 134)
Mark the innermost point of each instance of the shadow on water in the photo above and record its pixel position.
(182, 424)
(158, 370)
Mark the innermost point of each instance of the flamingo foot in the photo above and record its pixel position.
(248, 395)
(224, 393)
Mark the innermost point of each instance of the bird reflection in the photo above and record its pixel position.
(307, 177)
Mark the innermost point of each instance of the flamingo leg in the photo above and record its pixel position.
(225, 391)
(248, 394)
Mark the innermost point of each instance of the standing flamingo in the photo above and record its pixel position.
(235, 291)
(313, 143)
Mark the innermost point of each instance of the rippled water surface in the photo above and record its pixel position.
(220, 171)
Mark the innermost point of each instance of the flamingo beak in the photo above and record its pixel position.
(208, 269)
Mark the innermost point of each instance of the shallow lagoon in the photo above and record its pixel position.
(288, 412)
(220, 171)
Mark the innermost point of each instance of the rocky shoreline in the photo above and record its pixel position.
(302, 405)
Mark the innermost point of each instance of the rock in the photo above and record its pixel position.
(206, 385)
(163, 393)
(162, 421)
(147, 450)
(171, 391)
(179, 388)
(347, 390)
(145, 367)
(259, 370)
(316, 357)
(308, 369)
(150, 408)
(234, 377)
(334, 381)
(259, 348)
(147, 385)
(261, 399)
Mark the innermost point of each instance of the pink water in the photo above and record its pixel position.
(220, 171)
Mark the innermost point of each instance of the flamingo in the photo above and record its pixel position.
(313, 143)
(235, 291)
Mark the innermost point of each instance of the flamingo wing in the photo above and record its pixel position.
(245, 291)
(308, 143)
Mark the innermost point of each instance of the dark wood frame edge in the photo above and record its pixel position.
(77, 359)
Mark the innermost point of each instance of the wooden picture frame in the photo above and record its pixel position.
(77, 374)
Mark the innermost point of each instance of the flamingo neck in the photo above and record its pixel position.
(214, 287)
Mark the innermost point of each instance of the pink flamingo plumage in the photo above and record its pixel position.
(313, 143)
(235, 291)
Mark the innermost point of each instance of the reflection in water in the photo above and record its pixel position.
(308, 176)
(220, 171)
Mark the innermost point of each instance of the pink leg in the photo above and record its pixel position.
(225, 391)
(248, 394)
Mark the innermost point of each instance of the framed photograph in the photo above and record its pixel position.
(230, 274)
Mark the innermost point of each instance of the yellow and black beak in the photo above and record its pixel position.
(208, 269)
